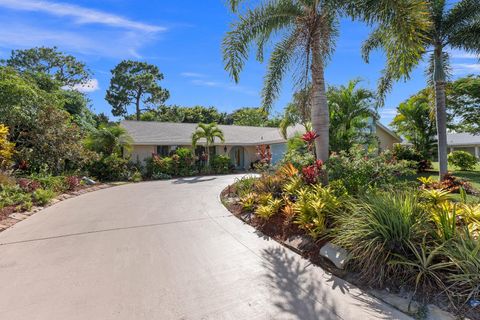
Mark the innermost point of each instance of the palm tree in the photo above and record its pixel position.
(298, 111)
(307, 30)
(350, 110)
(208, 132)
(414, 121)
(456, 26)
(109, 139)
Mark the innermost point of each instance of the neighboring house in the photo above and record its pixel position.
(151, 137)
(464, 142)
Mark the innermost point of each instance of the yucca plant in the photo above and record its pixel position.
(426, 266)
(464, 253)
(376, 228)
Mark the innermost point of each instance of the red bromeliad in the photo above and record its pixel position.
(310, 136)
(311, 174)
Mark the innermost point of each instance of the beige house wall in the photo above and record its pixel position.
(140, 153)
(386, 140)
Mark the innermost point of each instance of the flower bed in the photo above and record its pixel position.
(400, 235)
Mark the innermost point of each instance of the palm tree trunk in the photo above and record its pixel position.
(440, 109)
(320, 115)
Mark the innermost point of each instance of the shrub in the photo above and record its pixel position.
(28, 185)
(6, 147)
(109, 168)
(297, 153)
(43, 196)
(6, 180)
(221, 164)
(183, 162)
(269, 184)
(136, 177)
(378, 227)
(72, 182)
(361, 172)
(462, 159)
(13, 195)
(449, 183)
(408, 153)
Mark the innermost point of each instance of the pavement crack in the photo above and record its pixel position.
(107, 230)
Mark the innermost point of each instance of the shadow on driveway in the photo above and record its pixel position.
(296, 293)
(193, 180)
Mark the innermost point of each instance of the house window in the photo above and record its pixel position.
(163, 151)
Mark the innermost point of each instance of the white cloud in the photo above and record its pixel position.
(80, 14)
(192, 75)
(106, 43)
(465, 68)
(457, 54)
(90, 86)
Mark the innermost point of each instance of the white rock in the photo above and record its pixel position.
(337, 255)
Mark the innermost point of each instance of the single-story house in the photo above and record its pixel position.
(464, 142)
(152, 137)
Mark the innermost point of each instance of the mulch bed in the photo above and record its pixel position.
(281, 230)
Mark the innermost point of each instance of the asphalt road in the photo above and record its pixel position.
(163, 250)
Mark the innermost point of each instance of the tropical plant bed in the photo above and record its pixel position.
(10, 215)
(295, 224)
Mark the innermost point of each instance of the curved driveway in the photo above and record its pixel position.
(162, 250)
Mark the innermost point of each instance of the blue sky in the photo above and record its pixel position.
(183, 38)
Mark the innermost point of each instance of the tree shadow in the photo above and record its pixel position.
(196, 179)
(297, 295)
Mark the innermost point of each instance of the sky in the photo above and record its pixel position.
(183, 38)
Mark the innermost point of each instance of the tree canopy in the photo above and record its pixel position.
(463, 103)
(135, 83)
(64, 68)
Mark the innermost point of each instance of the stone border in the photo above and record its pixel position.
(16, 217)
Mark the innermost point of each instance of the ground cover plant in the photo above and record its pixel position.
(408, 235)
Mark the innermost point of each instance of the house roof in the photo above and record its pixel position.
(462, 139)
(170, 133)
(387, 130)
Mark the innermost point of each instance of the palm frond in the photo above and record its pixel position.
(278, 65)
(255, 26)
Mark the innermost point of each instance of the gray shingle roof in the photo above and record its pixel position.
(168, 133)
(462, 139)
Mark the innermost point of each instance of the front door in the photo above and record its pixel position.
(237, 157)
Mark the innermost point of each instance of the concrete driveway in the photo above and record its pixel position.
(162, 250)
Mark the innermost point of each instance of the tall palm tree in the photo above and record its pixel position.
(208, 132)
(307, 30)
(454, 26)
(350, 110)
(109, 139)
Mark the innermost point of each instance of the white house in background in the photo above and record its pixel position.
(464, 142)
(152, 137)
